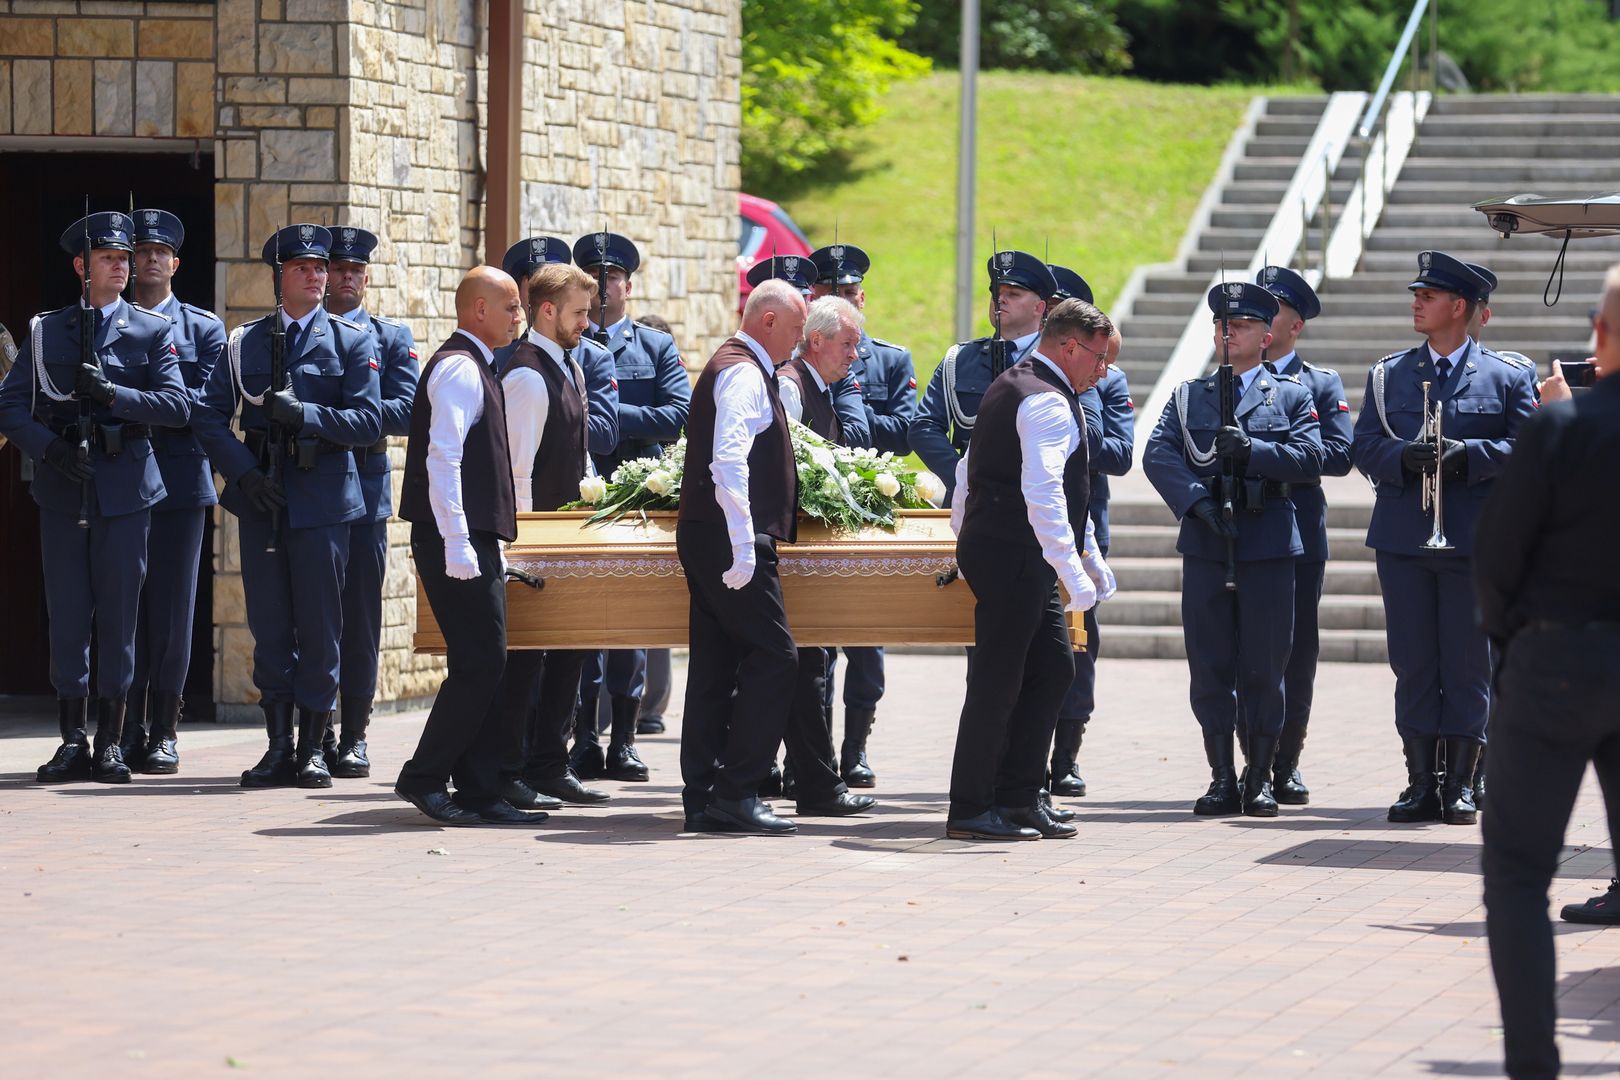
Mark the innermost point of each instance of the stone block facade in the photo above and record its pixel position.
(374, 113)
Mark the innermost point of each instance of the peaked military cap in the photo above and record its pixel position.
(1022, 269)
(1437, 270)
(526, 256)
(1070, 285)
(1241, 300)
(297, 242)
(159, 227)
(840, 264)
(606, 249)
(108, 229)
(1291, 289)
(353, 244)
(1489, 278)
(793, 269)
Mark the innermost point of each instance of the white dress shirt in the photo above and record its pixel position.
(742, 410)
(528, 403)
(792, 402)
(288, 322)
(1455, 359)
(456, 394)
(1047, 435)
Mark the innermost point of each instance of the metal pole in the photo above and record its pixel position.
(1434, 47)
(966, 161)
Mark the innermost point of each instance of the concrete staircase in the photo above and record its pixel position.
(1468, 148)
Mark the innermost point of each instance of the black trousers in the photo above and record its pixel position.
(809, 731)
(535, 705)
(1021, 667)
(740, 673)
(1558, 708)
(461, 739)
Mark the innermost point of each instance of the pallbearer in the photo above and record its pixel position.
(87, 425)
(1296, 305)
(368, 538)
(1229, 484)
(1474, 401)
(174, 550)
(294, 529)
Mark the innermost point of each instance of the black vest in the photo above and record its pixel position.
(559, 461)
(773, 481)
(819, 414)
(486, 466)
(996, 509)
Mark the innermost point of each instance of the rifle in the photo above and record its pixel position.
(275, 437)
(86, 424)
(1228, 389)
(1000, 347)
(601, 334)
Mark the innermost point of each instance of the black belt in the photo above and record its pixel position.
(110, 439)
(1594, 626)
(1248, 487)
(258, 441)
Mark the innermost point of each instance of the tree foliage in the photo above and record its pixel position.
(1037, 35)
(813, 71)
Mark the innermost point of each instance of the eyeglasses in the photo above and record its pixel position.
(1099, 356)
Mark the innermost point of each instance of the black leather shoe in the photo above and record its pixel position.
(350, 761)
(107, 767)
(588, 761)
(132, 740)
(71, 762)
(504, 813)
(313, 727)
(772, 784)
(1064, 778)
(439, 806)
(278, 767)
(989, 825)
(162, 756)
(1258, 800)
(854, 769)
(623, 763)
(523, 797)
(841, 805)
(649, 725)
(1058, 814)
(1421, 799)
(568, 788)
(1033, 817)
(1599, 911)
(1068, 782)
(1222, 797)
(749, 816)
(702, 822)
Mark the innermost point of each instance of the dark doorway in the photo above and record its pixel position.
(46, 193)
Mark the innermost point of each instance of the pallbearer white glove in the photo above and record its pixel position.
(460, 560)
(1082, 594)
(742, 566)
(1096, 566)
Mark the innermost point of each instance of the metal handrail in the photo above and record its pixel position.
(1375, 107)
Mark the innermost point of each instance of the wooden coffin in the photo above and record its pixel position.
(620, 585)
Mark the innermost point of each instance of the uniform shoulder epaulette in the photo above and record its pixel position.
(1513, 359)
(341, 321)
(1289, 378)
(386, 321)
(1391, 356)
(887, 344)
(1324, 370)
(204, 312)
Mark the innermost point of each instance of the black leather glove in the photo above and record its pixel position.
(1233, 442)
(63, 456)
(1206, 511)
(93, 383)
(285, 409)
(1454, 460)
(1419, 457)
(260, 491)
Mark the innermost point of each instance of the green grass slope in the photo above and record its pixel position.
(1099, 174)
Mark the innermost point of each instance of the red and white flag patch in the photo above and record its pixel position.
(914, 384)
(413, 353)
(1130, 404)
(374, 365)
(1344, 406)
(614, 383)
(1313, 414)
(173, 351)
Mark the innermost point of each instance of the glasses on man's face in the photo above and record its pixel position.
(1097, 356)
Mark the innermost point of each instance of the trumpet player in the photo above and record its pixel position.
(1436, 426)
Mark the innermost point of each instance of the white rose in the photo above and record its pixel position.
(659, 482)
(592, 489)
(853, 477)
(930, 487)
(830, 486)
(887, 485)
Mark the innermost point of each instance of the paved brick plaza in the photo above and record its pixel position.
(177, 926)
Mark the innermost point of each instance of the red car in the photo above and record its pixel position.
(766, 230)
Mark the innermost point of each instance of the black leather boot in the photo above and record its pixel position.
(108, 765)
(1222, 796)
(790, 784)
(277, 768)
(623, 763)
(1421, 799)
(852, 764)
(1066, 781)
(163, 745)
(352, 762)
(312, 729)
(1258, 800)
(1457, 806)
(132, 742)
(1287, 786)
(71, 762)
(586, 758)
(1479, 779)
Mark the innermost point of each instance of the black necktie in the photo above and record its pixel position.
(1442, 367)
(294, 335)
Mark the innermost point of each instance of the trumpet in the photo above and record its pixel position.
(1434, 494)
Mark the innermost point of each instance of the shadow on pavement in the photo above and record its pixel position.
(143, 786)
(1426, 856)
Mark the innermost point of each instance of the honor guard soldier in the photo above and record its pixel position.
(1296, 305)
(174, 547)
(1228, 479)
(1020, 285)
(347, 280)
(292, 482)
(884, 375)
(1111, 445)
(654, 396)
(1435, 429)
(92, 381)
